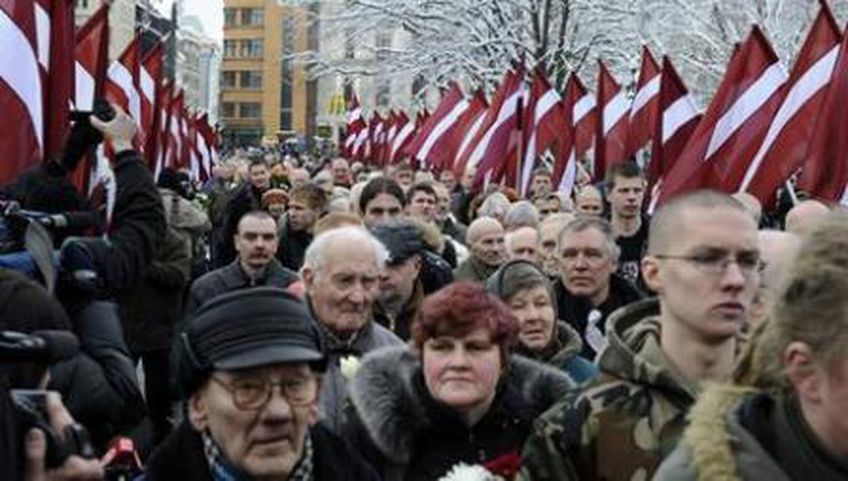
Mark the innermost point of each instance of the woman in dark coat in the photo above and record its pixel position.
(456, 396)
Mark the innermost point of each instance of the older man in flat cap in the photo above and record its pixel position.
(250, 367)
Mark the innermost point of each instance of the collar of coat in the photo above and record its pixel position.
(395, 414)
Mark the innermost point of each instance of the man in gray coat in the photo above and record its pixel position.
(340, 271)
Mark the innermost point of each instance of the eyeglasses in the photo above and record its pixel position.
(252, 394)
(715, 263)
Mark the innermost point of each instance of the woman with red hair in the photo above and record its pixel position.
(456, 395)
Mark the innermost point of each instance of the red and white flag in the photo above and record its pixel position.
(151, 73)
(426, 147)
(676, 123)
(355, 125)
(791, 131)
(404, 135)
(493, 145)
(466, 131)
(207, 146)
(645, 106)
(584, 116)
(547, 126)
(825, 169)
(163, 109)
(613, 123)
(175, 135)
(735, 124)
(92, 58)
(123, 85)
(21, 101)
(55, 26)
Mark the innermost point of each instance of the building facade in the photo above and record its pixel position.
(265, 94)
(121, 21)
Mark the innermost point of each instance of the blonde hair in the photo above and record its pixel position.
(812, 308)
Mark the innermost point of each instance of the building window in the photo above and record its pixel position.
(252, 48)
(228, 79)
(251, 110)
(228, 109)
(230, 48)
(250, 79)
(252, 17)
(230, 17)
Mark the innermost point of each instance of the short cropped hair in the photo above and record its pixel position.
(310, 194)
(603, 226)
(665, 224)
(316, 254)
(425, 186)
(628, 169)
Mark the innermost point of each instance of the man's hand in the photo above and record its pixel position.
(74, 468)
(120, 131)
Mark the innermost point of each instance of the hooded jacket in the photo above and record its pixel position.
(762, 437)
(563, 352)
(407, 435)
(622, 424)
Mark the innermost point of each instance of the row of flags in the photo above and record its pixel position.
(49, 68)
(762, 126)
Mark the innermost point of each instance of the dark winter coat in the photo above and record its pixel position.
(99, 385)
(137, 227)
(407, 435)
(474, 270)
(243, 200)
(231, 278)
(575, 310)
(153, 307)
(563, 352)
(180, 457)
(292, 247)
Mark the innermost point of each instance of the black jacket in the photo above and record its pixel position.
(137, 227)
(292, 247)
(231, 278)
(575, 310)
(245, 199)
(153, 307)
(180, 457)
(407, 435)
(99, 385)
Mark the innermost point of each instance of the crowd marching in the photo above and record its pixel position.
(444, 303)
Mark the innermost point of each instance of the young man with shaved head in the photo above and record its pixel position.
(703, 262)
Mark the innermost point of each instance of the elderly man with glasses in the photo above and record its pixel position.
(250, 366)
(703, 262)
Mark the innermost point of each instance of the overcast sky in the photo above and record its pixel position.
(210, 12)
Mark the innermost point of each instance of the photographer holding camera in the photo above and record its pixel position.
(99, 384)
(42, 443)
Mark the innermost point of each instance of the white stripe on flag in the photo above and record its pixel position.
(469, 136)
(813, 80)
(401, 137)
(84, 88)
(42, 30)
(566, 183)
(583, 107)
(439, 130)
(677, 114)
(508, 109)
(644, 95)
(543, 106)
(19, 69)
(148, 86)
(614, 111)
(747, 105)
(354, 115)
(122, 77)
(205, 157)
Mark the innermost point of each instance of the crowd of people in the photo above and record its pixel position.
(317, 319)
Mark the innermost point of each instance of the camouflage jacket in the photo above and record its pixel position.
(621, 425)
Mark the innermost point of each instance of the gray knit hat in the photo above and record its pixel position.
(516, 275)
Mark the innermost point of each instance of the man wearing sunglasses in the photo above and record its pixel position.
(703, 262)
(250, 366)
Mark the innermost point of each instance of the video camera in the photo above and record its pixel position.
(29, 406)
